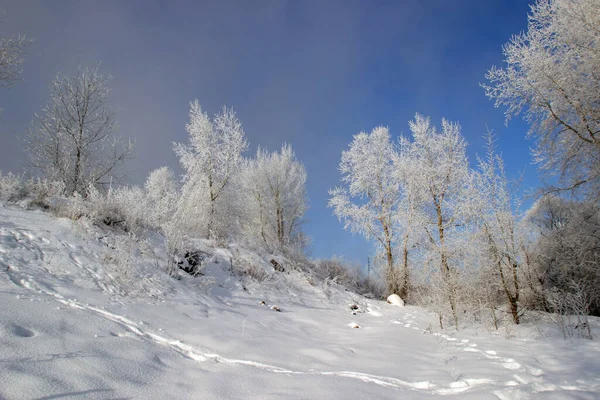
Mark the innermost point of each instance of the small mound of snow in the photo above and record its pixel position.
(374, 313)
(395, 300)
(353, 325)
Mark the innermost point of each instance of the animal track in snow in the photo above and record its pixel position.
(526, 375)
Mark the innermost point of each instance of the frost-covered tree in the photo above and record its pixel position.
(73, 140)
(274, 185)
(368, 203)
(12, 49)
(568, 247)
(161, 196)
(552, 76)
(443, 179)
(498, 224)
(210, 160)
(408, 215)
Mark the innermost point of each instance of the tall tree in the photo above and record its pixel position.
(12, 49)
(498, 223)
(275, 184)
(443, 181)
(408, 215)
(552, 76)
(210, 159)
(161, 196)
(73, 140)
(369, 202)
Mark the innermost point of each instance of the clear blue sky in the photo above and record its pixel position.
(310, 73)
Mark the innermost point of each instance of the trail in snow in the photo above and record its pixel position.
(525, 375)
(200, 355)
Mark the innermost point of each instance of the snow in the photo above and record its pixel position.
(76, 322)
(395, 300)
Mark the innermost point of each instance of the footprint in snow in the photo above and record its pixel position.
(535, 371)
(21, 331)
(509, 363)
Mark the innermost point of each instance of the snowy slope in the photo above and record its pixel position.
(76, 323)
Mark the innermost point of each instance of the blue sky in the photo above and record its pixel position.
(310, 73)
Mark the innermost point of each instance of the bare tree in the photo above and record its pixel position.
(73, 140)
(12, 49)
(552, 76)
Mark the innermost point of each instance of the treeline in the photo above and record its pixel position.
(454, 237)
(223, 195)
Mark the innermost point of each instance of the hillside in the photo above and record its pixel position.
(89, 313)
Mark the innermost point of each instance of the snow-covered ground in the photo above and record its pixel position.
(77, 323)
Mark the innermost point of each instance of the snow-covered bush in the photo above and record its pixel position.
(353, 278)
(34, 191)
(130, 204)
(334, 270)
(254, 270)
(570, 311)
(43, 192)
(11, 187)
(123, 207)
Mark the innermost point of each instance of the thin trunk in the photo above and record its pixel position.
(77, 169)
(405, 281)
(262, 225)
(392, 280)
(280, 226)
(211, 217)
(512, 299)
(446, 266)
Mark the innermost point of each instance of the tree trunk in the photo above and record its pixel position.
(211, 217)
(405, 274)
(280, 227)
(446, 266)
(392, 279)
